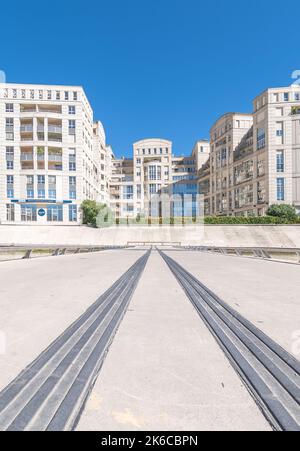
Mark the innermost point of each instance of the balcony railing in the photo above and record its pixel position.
(26, 128)
(26, 156)
(52, 157)
(54, 129)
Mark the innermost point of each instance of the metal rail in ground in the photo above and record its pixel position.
(270, 373)
(265, 253)
(51, 392)
(8, 253)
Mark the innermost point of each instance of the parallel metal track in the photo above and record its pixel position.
(270, 373)
(51, 392)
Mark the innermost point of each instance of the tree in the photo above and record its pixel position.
(90, 210)
(283, 211)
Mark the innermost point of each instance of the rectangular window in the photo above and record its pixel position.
(75, 96)
(72, 187)
(9, 165)
(55, 213)
(66, 95)
(28, 213)
(9, 107)
(286, 96)
(10, 186)
(261, 138)
(49, 95)
(280, 161)
(297, 96)
(72, 127)
(73, 213)
(72, 109)
(52, 186)
(10, 212)
(280, 189)
(57, 95)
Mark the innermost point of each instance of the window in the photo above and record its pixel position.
(49, 95)
(10, 212)
(57, 95)
(66, 95)
(72, 187)
(75, 96)
(41, 187)
(52, 186)
(280, 161)
(72, 109)
(72, 160)
(286, 96)
(28, 213)
(9, 158)
(152, 172)
(23, 94)
(72, 127)
(41, 94)
(9, 107)
(73, 213)
(261, 138)
(10, 186)
(30, 187)
(55, 213)
(280, 189)
(297, 96)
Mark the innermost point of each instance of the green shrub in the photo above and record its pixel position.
(283, 211)
(90, 210)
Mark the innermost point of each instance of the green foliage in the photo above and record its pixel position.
(249, 220)
(90, 210)
(283, 211)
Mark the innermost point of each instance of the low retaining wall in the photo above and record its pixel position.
(211, 235)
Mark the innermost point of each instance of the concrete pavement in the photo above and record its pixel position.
(165, 371)
(266, 293)
(40, 298)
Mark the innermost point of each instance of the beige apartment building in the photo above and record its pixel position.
(52, 154)
(153, 170)
(255, 158)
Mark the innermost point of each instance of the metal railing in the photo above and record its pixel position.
(265, 253)
(8, 253)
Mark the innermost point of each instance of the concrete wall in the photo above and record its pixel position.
(220, 235)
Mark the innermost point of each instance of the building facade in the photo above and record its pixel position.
(255, 158)
(154, 170)
(52, 154)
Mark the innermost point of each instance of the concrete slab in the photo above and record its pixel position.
(165, 371)
(267, 293)
(40, 298)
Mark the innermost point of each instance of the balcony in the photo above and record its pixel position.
(25, 108)
(25, 156)
(54, 129)
(55, 157)
(28, 128)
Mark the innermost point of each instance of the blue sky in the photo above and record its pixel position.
(154, 68)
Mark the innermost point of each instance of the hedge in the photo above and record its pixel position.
(207, 220)
(248, 220)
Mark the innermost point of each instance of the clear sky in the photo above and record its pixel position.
(154, 68)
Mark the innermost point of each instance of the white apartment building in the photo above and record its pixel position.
(52, 155)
